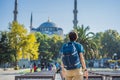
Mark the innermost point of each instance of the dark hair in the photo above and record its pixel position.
(73, 36)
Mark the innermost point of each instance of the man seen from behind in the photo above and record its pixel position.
(73, 63)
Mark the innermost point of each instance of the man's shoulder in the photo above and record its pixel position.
(77, 43)
(64, 44)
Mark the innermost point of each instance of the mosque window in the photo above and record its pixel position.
(50, 29)
(45, 29)
(42, 29)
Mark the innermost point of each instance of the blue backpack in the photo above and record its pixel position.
(70, 56)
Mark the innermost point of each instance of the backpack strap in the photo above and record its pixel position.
(72, 44)
(75, 46)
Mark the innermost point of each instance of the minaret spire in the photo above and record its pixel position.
(75, 11)
(48, 19)
(31, 19)
(15, 11)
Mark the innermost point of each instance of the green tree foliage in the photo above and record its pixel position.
(44, 46)
(110, 43)
(5, 49)
(66, 39)
(56, 43)
(86, 39)
(49, 46)
(97, 39)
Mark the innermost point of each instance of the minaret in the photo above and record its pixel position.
(15, 11)
(75, 11)
(31, 23)
(48, 19)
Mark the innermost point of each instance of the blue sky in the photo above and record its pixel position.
(100, 15)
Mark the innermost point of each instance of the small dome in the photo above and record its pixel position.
(60, 29)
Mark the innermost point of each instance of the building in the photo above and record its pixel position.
(49, 28)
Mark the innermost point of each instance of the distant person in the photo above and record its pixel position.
(31, 67)
(35, 67)
(73, 59)
(23, 66)
(54, 67)
(49, 67)
(58, 67)
(42, 66)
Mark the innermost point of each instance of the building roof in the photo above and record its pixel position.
(48, 24)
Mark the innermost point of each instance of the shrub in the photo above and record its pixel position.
(16, 67)
(111, 61)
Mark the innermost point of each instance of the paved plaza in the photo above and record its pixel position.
(10, 73)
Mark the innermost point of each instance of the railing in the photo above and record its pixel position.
(94, 77)
(107, 75)
(102, 76)
(43, 75)
(115, 77)
(50, 75)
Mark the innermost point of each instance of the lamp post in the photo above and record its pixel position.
(115, 56)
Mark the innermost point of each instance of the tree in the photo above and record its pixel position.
(29, 47)
(44, 54)
(86, 39)
(97, 39)
(110, 43)
(24, 44)
(16, 34)
(49, 46)
(56, 43)
(6, 53)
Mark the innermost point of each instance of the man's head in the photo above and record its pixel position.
(73, 36)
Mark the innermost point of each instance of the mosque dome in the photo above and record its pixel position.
(48, 28)
(48, 24)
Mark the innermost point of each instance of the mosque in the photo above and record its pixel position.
(48, 27)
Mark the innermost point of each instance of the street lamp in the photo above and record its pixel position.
(115, 58)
